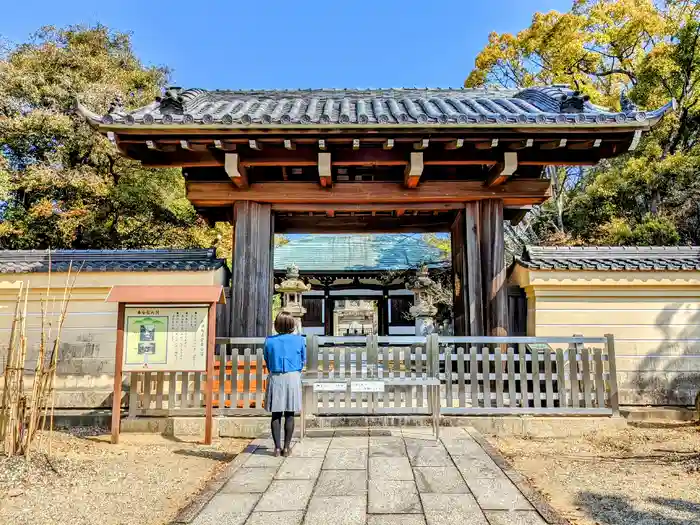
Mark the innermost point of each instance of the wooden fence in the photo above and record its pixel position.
(479, 376)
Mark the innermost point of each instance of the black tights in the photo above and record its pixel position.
(277, 428)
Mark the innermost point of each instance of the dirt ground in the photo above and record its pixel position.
(144, 480)
(641, 476)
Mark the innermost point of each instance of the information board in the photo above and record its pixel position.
(165, 337)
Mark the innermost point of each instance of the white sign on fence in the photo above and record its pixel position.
(367, 386)
(330, 387)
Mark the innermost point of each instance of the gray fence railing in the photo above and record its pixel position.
(478, 376)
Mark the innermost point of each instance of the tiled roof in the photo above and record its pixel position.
(611, 258)
(538, 106)
(29, 261)
(334, 253)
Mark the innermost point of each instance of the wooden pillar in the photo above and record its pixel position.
(328, 305)
(493, 268)
(251, 287)
(484, 264)
(383, 312)
(459, 306)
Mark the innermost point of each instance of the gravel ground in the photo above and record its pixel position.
(144, 480)
(640, 476)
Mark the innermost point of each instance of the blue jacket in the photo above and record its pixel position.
(285, 353)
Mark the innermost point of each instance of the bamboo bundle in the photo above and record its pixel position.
(22, 415)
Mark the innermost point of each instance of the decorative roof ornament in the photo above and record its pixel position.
(573, 103)
(172, 99)
(626, 105)
(116, 106)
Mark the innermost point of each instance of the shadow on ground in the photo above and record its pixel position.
(216, 455)
(616, 510)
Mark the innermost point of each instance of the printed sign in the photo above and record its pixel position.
(172, 338)
(367, 386)
(330, 387)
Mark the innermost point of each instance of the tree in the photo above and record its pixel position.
(65, 186)
(648, 50)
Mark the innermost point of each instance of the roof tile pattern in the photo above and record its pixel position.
(435, 107)
(612, 258)
(31, 261)
(336, 253)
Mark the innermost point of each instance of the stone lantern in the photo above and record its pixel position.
(291, 289)
(423, 310)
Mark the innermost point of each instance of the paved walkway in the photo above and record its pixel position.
(406, 478)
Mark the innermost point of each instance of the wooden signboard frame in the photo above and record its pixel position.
(165, 295)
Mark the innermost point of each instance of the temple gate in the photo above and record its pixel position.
(412, 160)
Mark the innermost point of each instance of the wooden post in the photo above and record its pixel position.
(481, 257)
(475, 298)
(251, 290)
(209, 385)
(327, 312)
(493, 267)
(459, 276)
(118, 366)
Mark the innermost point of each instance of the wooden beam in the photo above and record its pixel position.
(414, 170)
(517, 192)
(500, 172)
(234, 170)
(254, 144)
(366, 157)
(368, 207)
(454, 144)
(388, 144)
(361, 224)
(423, 144)
(289, 145)
(324, 169)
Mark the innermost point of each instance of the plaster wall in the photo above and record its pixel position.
(654, 316)
(88, 340)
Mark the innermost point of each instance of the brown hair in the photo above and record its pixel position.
(284, 323)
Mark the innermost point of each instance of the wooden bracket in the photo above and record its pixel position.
(254, 144)
(414, 170)
(234, 170)
(455, 144)
(184, 144)
(288, 144)
(501, 171)
(324, 169)
(388, 144)
(321, 144)
(423, 144)
(355, 143)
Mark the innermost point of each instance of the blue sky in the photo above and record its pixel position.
(294, 44)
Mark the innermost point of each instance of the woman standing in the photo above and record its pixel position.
(285, 355)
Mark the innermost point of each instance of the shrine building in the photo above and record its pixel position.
(359, 283)
(372, 161)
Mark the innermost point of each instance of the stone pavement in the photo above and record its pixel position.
(402, 478)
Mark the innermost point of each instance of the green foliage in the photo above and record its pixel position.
(650, 50)
(64, 185)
